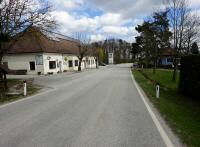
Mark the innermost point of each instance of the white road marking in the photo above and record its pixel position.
(162, 132)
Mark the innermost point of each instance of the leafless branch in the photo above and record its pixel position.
(16, 16)
(84, 46)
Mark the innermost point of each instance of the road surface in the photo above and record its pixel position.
(97, 108)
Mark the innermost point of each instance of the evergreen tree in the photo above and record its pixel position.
(154, 37)
(135, 49)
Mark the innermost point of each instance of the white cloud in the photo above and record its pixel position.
(127, 8)
(108, 24)
(76, 23)
(97, 37)
(195, 4)
(109, 19)
(70, 23)
(118, 30)
(67, 4)
(116, 18)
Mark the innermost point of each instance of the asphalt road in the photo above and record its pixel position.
(97, 108)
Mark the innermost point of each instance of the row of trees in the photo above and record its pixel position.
(175, 27)
(120, 48)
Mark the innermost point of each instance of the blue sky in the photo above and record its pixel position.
(105, 18)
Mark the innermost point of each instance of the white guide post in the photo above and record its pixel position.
(157, 91)
(25, 88)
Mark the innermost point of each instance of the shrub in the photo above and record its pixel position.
(189, 83)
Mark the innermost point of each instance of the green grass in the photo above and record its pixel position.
(31, 89)
(181, 113)
(164, 77)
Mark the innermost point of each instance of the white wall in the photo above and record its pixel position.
(21, 62)
(110, 58)
(90, 62)
(73, 58)
(53, 57)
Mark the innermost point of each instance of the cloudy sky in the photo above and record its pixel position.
(105, 18)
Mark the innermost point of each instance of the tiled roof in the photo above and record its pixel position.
(34, 41)
(168, 52)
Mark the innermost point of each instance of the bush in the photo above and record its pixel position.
(189, 83)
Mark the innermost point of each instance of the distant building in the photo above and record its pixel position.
(110, 58)
(38, 54)
(167, 57)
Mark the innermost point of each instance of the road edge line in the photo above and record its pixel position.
(159, 127)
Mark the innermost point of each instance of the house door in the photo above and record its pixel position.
(32, 66)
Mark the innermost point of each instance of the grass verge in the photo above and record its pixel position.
(17, 85)
(180, 112)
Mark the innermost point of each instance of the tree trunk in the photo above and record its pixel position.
(79, 64)
(5, 82)
(155, 66)
(97, 62)
(175, 70)
(1, 52)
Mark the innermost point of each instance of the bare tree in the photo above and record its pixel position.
(185, 26)
(83, 40)
(178, 14)
(95, 52)
(191, 31)
(16, 16)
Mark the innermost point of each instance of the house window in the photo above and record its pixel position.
(169, 60)
(88, 62)
(39, 59)
(32, 65)
(76, 62)
(70, 63)
(52, 64)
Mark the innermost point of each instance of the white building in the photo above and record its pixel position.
(110, 58)
(35, 53)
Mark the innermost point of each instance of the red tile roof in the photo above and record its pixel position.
(34, 41)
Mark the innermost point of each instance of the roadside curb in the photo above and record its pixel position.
(159, 127)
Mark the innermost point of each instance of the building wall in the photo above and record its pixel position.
(90, 62)
(73, 58)
(22, 62)
(57, 58)
(166, 61)
(110, 58)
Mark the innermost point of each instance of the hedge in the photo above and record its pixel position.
(189, 83)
